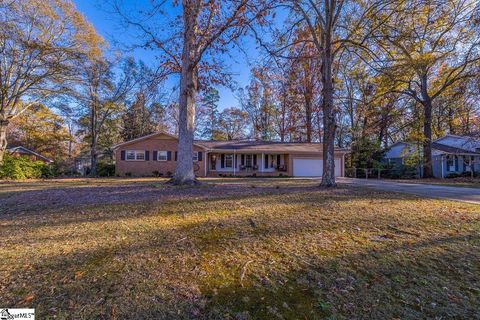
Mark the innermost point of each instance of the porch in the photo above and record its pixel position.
(247, 164)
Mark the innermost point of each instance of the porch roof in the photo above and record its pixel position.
(452, 150)
(264, 146)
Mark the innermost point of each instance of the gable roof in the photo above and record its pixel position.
(24, 150)
(148, 136)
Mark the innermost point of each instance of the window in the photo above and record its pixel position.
(162, 155)
(130, 155)
(452, 163)
(248, 160)
(195, 156)
(229, 161)
(133, 155)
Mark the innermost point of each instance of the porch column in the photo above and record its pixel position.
(263, 164)
(234, 161)
(441, 161)
(206, 163)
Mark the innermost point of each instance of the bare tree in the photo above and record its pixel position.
(40, 41)
(205, 30)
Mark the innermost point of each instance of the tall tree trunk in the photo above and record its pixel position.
(427, 141)
(3, 138)
(328, 177)
(427, 129)
(93, 157)
(188, 89)
(93, 141)
(308, 116)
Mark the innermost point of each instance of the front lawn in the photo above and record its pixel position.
(235, 249)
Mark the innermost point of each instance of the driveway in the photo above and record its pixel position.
(471, 195)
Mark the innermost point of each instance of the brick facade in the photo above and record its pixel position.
(146, 167)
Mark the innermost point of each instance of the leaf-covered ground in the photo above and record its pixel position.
(235, 249)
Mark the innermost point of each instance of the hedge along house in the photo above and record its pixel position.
(155, 154)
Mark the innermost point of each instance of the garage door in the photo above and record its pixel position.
(313, 167)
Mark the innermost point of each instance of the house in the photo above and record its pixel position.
(155, 154)
(24, 152)
(451, 154)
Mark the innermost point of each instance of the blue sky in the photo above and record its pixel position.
(106, 25)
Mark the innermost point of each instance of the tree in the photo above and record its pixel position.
(137, 120)
(42, 131)
(208, 115)
(232, 123)
(102, 98)
(428, 47)
(190, 46)
(40, 42)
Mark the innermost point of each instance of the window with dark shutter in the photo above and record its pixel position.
(266, 161)
(242, 161)
(147, 155)
(169, 155)
(122, 155)
(254, 159)
(155, 155)
(176, 155)
(200, 156)
(222, 162)
(278, 160)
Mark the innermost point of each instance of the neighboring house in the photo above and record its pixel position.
(24, 152)
(451, 154)
(82, 162)
(157, 153)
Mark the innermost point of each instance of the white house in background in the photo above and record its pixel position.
(451, 154)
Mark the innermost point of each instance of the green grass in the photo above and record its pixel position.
(285, 249)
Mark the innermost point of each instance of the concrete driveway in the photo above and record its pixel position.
(471, 195)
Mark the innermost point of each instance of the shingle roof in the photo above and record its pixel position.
(23, 150)
(264, 146)
(452, 150)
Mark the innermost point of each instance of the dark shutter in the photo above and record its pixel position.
(266, 161)
(155, 155)
(456, 163)
(222, 162)
(242, 161)
(235, 160)
(199, 155)
(254, 159)
(122, 154)
(169, 155)
(147, 155)
(176, 155)
(278, 160)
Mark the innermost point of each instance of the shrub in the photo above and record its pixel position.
(105, 169)
(18, 168)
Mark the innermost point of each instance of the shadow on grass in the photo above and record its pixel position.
(194, 269)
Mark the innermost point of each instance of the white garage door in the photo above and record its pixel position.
(313, 167)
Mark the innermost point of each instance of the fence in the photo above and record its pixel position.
(379, 173)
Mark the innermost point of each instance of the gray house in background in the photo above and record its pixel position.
(451, 154)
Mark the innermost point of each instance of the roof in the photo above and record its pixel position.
(246, 145)
(265, 146)
(451, 150)
(24, 150)
(148, 136)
